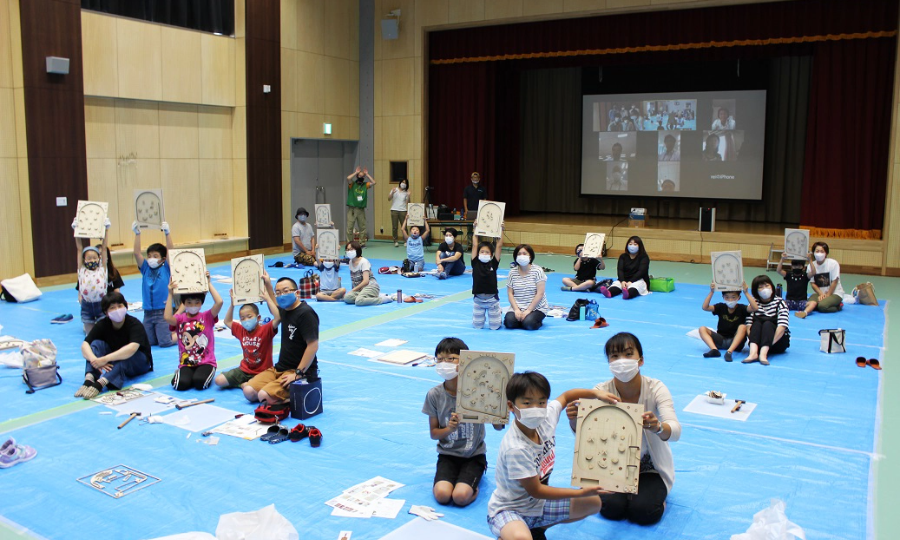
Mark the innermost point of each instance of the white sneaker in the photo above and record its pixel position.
(396, 244)
(386, 299)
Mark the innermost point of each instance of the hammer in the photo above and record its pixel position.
(130, 418)
(737, 405)
(185, 406)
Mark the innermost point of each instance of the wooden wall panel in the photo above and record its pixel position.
(182, 65)
(11, 221)
(215, 132)
(6, 72)
(179, 131)
(217, 70)
(7, 123)
(100, 46)
(100, 127)
(137, 129)
(139, 59)
(54, 111)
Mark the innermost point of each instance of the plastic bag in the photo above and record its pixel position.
(264, 523)
(772, 524)
(188, 536)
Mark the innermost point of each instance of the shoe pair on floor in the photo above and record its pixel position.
(278, 434)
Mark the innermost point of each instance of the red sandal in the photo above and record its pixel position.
(315, 437)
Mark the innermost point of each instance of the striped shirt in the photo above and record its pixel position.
(774, 308)
(524, 288)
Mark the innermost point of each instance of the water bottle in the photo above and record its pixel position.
(581, 313)
(778, 290)
(399, 296)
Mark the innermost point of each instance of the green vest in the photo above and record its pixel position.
(358, 194)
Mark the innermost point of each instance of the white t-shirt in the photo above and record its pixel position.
(826, 273)
(356, 272)
(399, 200)
(520, 457)
(305, 232)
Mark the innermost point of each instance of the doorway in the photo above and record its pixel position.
(319, 170)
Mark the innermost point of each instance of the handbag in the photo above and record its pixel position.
(309, 285)
(40, 369)
(865, 294)
(832, 340)
(662, 284)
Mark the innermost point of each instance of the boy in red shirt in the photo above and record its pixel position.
(255, 338)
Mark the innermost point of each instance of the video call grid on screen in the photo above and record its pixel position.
(700, 144)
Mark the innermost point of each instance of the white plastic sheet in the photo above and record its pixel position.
(264, 523)
(772, 524)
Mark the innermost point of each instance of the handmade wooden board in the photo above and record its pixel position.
(490, 218)
(415, 214)
(481, 390)
(328, 243)
(727, 270)
(148, 208)
(796, 243)
(247, 283)
(188, 270)
(593, 245)
(91, 219)
(323, 215)
(608, 445)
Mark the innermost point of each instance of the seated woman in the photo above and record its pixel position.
(365, 291)
(768, 327)
(115, 350)
(657, 474)
(825, 277)
(526, 290)
(633, 272)
(449, 256)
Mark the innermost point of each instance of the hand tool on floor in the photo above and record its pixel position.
(186, 405)
(737, 405)
(131, 417)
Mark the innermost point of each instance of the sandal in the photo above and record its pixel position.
(875, 364)
(271, 432)
(282, 435)
(315, 437)
(861, 361)
(600, 323)
(299, 433)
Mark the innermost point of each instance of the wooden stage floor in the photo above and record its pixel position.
(671, 224)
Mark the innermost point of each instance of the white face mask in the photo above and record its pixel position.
(532, 417)
(484, 258)
(117, 315)
(523, 260)
(731, 303)
(449, 240)
(633, 248)
(193, 310)
(446, 370)
(765, 293)
(402, 186)
(351, 254)
(624, 369)
(821, 256)
(153, 262)
(328, 264)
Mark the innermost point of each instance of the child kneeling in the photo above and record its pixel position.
(196, 341)
(486, 297)
(527, 454)
(731, 333)
(256, 340)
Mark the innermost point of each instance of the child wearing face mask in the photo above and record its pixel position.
(730, 333)
(415, 244)
(523, 500)
(330, 289)
(399, 198)
(449, 256)
(633, 272)
(796, 282)
(661, 427)
(585, 272)
(92, 278)
(155, 277)
(825, 276)
(769, 326)
(461, 450)
(196, 338)
(485, 261)
(256, 339)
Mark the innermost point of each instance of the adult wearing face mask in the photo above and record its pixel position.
(399, 198)
(526, 290)
(449, 256)
(115, 350)
(825, 277)
(657, 474)
(633, 272)
(471, 195)
(769, 329)
(303, 239)
(357, 200)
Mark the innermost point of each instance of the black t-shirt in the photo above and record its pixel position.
(797, 285)
(474, 194)
(634, 269)
(299, 326)
(588, 269)
(457, 247)
(132, 331)
(484, 276)
(729, 322)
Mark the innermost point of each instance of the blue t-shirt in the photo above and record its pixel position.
(415, 249)
(155, 285)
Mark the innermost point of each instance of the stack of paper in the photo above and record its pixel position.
(368, 499)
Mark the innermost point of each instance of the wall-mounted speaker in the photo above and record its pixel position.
(390, 28)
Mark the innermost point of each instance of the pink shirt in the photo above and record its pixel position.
(196, 342)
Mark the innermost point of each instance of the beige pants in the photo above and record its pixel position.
(358, 216)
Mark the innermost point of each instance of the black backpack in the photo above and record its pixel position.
(575, 311)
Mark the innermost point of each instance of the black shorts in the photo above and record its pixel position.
(460, 470)
(724, 343)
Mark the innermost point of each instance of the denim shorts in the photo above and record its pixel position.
(91, 312)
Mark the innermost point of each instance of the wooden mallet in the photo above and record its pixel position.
(737, 405)
(131, 417)
(186, 405)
